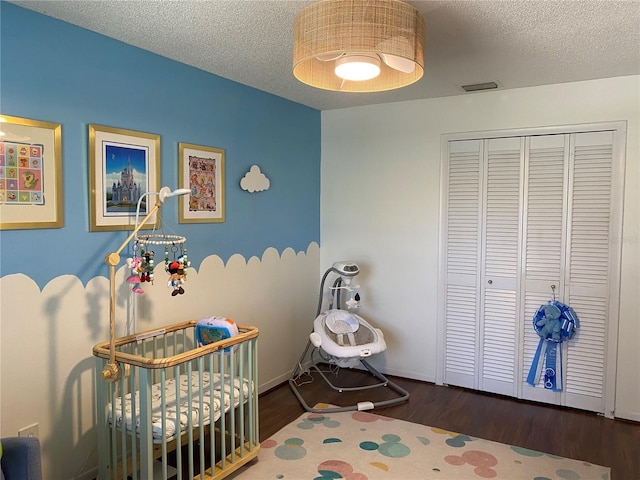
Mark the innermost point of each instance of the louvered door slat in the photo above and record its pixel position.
(591, 213)
(586, 352)
(544, 210)
(460, 355)
(499, 330)
(502, 212)
(462, 217)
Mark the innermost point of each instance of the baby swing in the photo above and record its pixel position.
(340, 338)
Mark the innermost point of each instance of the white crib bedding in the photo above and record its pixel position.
(172, 423)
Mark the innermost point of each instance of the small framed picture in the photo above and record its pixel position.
(30, 174)
(124, 165)
(201, 170)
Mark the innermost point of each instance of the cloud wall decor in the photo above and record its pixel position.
(254, 180)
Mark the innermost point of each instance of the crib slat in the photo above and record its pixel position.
(163, 414)
(189, 420)
(123, 431)
(212, 426)
(223, 402)
(254, 378)
(133, 380)
(250, 394)
(232, 403)
(201, 413)
(241, 395)
(178, 429)
(146, 438)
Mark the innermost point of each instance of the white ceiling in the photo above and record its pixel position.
(517, 43)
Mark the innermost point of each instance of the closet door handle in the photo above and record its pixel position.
(490, 282)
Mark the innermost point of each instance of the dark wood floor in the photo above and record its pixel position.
(556, 430)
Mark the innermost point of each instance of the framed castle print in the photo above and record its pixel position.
(124, 166)
(201, 170)
(30, 174)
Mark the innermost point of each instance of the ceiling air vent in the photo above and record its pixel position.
(477, 87)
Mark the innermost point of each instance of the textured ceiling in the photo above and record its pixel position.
(517, 43)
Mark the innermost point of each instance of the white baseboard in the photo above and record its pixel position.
(633, 416)
(409, 375)
(157, 472)
(274, 382)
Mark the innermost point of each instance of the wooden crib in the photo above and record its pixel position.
(178, 411)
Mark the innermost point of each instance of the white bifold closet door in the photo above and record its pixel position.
(482, 264)
(524, 218)
(500, 253)
(461, 254)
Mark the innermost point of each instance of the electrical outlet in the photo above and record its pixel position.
(30, 431)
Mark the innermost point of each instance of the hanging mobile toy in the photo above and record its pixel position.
(176, 269)
(176, 278)
(184, 262)
(134, 278)
(147, 266)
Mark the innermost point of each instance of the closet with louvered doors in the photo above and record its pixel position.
(525, 217)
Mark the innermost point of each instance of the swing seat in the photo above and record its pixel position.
(346, 337)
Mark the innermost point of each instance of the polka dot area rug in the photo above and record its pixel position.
(367, 446)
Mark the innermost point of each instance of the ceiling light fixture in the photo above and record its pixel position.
(357, 67)
(358, 45)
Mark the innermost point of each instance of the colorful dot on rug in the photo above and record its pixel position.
(332, 440)
(381, 466)
(291, 450)
(330, 468)
(481, 460)
(567, 474)
(459, 441)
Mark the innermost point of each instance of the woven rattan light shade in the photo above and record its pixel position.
(326, 30)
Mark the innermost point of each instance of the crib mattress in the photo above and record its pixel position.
(179, 417)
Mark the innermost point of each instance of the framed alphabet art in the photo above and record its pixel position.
(30, 174)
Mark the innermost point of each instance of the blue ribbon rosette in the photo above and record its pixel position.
(554, 323)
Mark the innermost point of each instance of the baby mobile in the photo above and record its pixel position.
(142, 264)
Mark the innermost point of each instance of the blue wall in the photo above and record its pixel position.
(56, 72)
